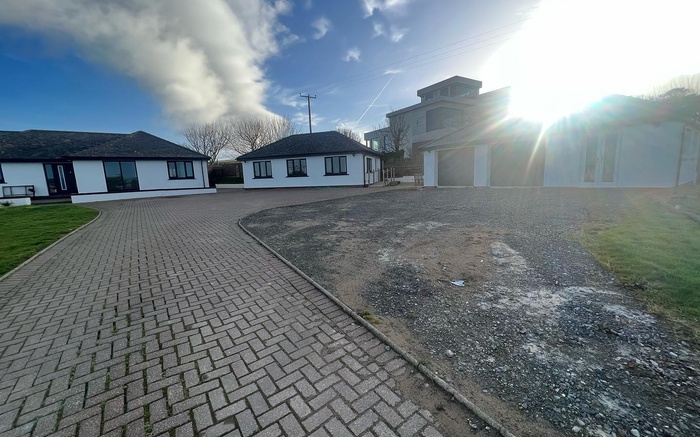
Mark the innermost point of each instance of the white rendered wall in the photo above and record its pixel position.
(647, 158)
(85, 198)
(25, 173)
(90, 176)
(153, 175)
(649, 155)
(563, 161)
(481, 166)
(430, 168)
(315, 170)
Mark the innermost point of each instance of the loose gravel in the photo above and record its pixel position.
(538, 325)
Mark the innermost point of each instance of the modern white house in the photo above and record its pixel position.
(90, 167)
(618, 142)
(320, 159)
(444, 107)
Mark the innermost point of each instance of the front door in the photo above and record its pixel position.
(60, 179)
(600, 159)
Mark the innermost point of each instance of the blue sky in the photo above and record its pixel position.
(158, 65)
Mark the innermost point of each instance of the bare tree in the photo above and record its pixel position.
(677, 88)
(253, 133)
(209, 138)
(349, 133)
(399, 132)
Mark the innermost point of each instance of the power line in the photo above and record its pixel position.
(419, 63)
(440, 51)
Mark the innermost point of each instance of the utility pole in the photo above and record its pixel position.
(308, 98)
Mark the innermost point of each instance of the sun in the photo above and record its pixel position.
(572, 53)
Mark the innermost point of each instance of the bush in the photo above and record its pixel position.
(230, 180)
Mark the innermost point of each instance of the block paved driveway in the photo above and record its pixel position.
(164, 318)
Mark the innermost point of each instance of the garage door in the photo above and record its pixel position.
(517, 165)
(456, 167)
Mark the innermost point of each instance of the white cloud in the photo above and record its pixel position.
(384, 6)
(302, 119)
(201, 60)
(378, 29)
(287, 97)
(322, 26)
(352, 55)
(396, 34)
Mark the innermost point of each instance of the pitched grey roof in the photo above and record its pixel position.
(317, 143)
(40, 145)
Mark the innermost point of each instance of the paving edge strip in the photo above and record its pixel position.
(41, 252)
(405, 355)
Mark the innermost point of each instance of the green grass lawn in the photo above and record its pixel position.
(28, 229)
(657, 252)
(688, 198)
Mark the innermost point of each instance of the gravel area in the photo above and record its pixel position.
(538, 335)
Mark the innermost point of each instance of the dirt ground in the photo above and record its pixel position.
(537, 334)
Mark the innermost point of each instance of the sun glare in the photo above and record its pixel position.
(572, 53)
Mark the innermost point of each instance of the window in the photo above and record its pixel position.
(445, 91)
(180, 170)
(262, 169)
(296, 167)
(336, 165)
(369, 165)
(460, 90)
(121, 176)
(440, 118)
(2, 178)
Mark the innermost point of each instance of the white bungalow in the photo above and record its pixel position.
(319, 159)
(90, 167)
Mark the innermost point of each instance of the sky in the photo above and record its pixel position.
(161, 65)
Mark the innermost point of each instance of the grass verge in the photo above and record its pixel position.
(26, 230)
(655, 251)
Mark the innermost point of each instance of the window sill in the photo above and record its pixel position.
(298, 176)
(181, 179)
(335, 174)
(262, 177)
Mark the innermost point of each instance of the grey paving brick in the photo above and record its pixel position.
(202, 417)
(317, 419)
(388, 414)
(364, 422)
(291, 426)
(365, 402)
(412, 426)
(407, 408)
(247, 423)
(382, 430)
(273, 415)
(337, 429)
